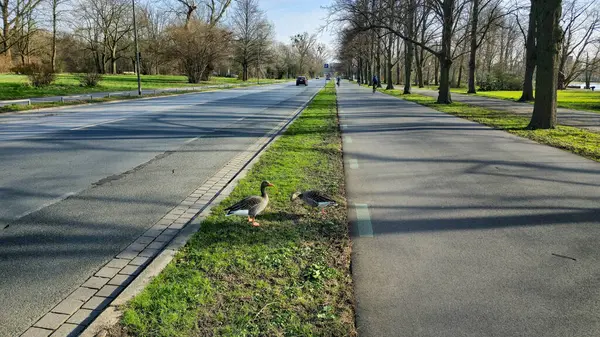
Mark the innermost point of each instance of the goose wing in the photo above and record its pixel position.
(245, 204)
(318, 198)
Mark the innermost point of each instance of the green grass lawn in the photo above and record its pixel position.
(16, 86)
(583, 142)
(288, 277)
(570, 98)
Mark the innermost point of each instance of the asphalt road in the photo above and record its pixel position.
(475, 232)
(80, 184)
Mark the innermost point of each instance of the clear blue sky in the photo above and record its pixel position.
(296, 16)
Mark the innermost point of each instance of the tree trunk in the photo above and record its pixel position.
(561, 80)
(444, 92)
(245, 71)
(378, 64)
(408, 47)
(6, 30)
(436, 73)
(419, 66)
(390, 65)
(53, 52)
(547, 15)
(358, 71)
(445, 55)
(453, 77)
(588, 73)
(370, 60)
(460, 71)
(113, 60)
(398, 70)
(473, 52)
(588, 79)
(530, 57)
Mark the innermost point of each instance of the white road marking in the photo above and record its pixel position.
(353, 163)
(348, 139)
(363, 220)
(96, 124)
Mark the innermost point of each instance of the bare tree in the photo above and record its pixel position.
(56, 14)
(152, 23)
(446, 12)
(105, 24)
(303, 45)
(251, 33)
(25, 30)
(530, 56)
(579, 21)
(196, 45)
(491, 12)
(13, 14)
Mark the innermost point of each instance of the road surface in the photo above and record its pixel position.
(80, 184)
(463, 230)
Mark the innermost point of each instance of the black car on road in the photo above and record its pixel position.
(302, 80)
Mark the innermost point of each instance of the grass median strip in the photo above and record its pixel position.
(290, 276)
(582, 142)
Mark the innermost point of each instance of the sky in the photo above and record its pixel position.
(296, 16)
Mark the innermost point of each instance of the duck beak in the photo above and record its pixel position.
(271, 185)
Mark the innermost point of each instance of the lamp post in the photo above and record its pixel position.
(137, 51)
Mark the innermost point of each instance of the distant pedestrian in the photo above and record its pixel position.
(375, 82)
(338, 81)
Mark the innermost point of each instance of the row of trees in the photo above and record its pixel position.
(192, 37)
(499, 43)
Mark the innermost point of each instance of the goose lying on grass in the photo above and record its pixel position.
(314, 198)
(251, 206)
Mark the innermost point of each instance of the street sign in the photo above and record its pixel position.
(326, 65)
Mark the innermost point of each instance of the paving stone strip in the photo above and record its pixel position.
(72, 315)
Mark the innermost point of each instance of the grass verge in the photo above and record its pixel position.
(33, 106)
(582, 142)
(17, 87)
(288, 277)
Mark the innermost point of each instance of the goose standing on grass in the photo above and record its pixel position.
(314, 198)
(252, 205)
